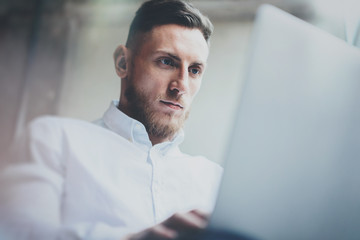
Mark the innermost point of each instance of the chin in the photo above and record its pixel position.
(165, 124)
(173, 122)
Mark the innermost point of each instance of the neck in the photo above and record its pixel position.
(156, 140)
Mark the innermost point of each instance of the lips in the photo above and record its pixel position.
(171, 104)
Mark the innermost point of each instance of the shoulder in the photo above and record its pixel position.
(55, 133)
(44, 129)
(42, 141)
(73, 136)
(58, 126)
(54, 122)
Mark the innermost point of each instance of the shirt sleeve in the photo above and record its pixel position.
(31, 183)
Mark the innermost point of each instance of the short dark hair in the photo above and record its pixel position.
(161, 12)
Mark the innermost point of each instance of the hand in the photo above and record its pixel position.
(179, 223)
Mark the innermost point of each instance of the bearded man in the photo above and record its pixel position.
(123, 177)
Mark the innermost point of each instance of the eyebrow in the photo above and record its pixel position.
(178, 58)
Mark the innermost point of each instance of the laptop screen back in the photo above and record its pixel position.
(293, 166)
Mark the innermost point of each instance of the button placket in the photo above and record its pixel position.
(155, 186)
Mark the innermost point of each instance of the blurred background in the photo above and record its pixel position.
(56, 58)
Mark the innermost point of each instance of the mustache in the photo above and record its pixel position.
(173, 96)
(133, 95)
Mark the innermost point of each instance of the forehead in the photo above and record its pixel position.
(180, 40)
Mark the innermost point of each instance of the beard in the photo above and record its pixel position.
(160, 125)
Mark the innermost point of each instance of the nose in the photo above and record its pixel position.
(180, 82)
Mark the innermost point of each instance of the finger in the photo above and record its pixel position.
(201, 214)
(162, 232)
(185, 222)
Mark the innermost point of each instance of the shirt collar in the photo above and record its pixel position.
(134, 131)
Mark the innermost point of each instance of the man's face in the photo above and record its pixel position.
(163, 78)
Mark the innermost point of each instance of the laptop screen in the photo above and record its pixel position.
(292, 170)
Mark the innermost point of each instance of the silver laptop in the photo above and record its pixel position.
(292, 171)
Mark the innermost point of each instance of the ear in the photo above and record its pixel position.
(121, 61)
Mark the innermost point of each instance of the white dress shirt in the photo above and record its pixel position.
(71, 179)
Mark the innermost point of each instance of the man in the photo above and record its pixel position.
(124, 177)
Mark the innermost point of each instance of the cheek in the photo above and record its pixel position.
(145, 80)
(142, 74)
(194, 88)
(151, 85)
(152, 78)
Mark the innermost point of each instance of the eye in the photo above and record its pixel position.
(194, 71)
(167, 61)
